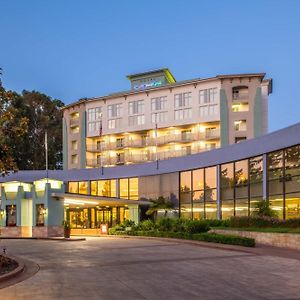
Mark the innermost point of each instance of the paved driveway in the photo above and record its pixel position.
(118, 268)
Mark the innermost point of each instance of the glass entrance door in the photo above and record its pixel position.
(104, 216)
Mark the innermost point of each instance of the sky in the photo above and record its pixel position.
(69, 49)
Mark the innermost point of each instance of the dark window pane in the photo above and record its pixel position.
(292, 161)
(275, 165)
(256, 169)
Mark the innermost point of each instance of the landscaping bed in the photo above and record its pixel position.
(7, 265)
(196, 230)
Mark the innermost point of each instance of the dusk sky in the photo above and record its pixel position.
(74, 49)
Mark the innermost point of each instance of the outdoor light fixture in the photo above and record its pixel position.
(1, 212)
(44, 211)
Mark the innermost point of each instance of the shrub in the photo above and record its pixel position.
(146, 225)
(218, 223)
(263, 209)
(196, 226)
(242, 222)
(225, 239)
(164, 224)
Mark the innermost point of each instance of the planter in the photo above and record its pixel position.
(67, 233)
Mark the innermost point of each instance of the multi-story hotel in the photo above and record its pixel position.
(159, 118)
(171, 124)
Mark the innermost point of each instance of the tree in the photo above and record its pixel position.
(13, 127)
(23, 121)
(161, 203)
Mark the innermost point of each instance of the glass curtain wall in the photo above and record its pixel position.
(198, 190)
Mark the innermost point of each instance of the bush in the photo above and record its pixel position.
(146, 225)
(196, 226)
(261, 222)
(205, 237)
(217, 223)
(164, 224)
(225, 239)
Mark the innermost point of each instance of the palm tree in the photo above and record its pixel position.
(160, 203)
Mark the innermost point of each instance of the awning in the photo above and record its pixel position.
(75, 199)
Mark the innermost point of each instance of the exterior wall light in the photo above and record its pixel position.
(2, 212)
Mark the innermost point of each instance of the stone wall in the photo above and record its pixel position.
(47, 231)
(285, 240)
(14, 231)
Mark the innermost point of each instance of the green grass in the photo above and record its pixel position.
(263, 229)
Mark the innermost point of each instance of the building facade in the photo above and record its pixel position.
(220, 183)
(160, 118)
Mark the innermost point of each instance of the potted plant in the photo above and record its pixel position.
(67, 229)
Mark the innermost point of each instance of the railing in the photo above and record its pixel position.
(151, 141)
(240, 96)
(143, 157)
(74, 122)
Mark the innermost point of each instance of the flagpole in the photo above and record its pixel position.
(46, 153)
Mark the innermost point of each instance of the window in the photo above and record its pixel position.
(107, 188)
(240, 93)
(182, 100)
(40, 214)
(240, 125)
(208, 96)
(114, 123)
(74, 145)
(136, 107)
(136, 120)
(159, 103)
(73, 187)
(183, 114)
(208, 110)
(74, 159)
(240, 139)
(159, 117)
(75, 129)
(94, 114)
(83, 187)
(114, 110)
(236, 107)
(94, 119)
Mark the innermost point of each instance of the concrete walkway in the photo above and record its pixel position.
(119, 268)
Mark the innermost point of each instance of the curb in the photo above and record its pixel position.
(46, 239)
(19, 269)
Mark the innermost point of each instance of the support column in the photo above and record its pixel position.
(265, 177)
(219, 203)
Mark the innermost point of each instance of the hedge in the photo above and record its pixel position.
(205, 237)
(244, 222)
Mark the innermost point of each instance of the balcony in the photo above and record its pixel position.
(74, 122)
(188, 137)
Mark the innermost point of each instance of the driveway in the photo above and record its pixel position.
(130, 268)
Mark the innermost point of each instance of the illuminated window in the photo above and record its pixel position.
(133, 189)
(236, 107)
(94, 188)
(83, 187)
(185, 181)
(107, 188)
(240, 125)
(73, 187)
(75, 129)
(124, 190)
(114, 123)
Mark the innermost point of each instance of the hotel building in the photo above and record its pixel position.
(159, 118)
(216, 184)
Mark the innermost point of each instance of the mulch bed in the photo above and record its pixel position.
(7, 264)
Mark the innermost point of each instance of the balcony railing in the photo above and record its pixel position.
(74, 122)
(143, 157)
(152, 141)
(240, 96)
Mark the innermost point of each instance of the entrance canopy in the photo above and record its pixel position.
(84, 200)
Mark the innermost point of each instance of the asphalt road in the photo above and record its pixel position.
(118, 268)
